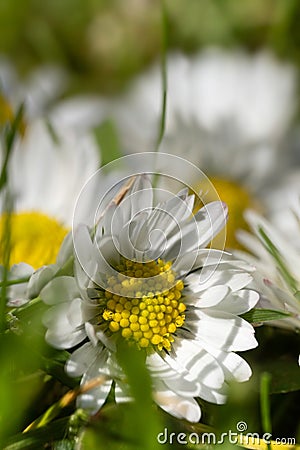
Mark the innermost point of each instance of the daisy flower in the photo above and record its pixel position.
(46, 172)
(228, 110)
(276, 256)
(145, 276)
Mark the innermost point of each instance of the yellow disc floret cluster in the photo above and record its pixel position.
(144, 306)
(34, 238)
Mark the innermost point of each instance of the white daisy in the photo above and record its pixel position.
(277, 258)
(220, 104)
(146, 277)
(227, 111)
(46, 172)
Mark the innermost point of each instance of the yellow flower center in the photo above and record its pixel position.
(149, 309)
(33, 238)
(238, 199)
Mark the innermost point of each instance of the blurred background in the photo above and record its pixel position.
(102, 44)
(54, 52)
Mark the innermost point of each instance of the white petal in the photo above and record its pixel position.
(211, 259)
(180, 407)
(187, 239)
(108, 254)
(67, 339)
(83, 246)
(126, 246)
(40, 278)
(91, 333)
(20, 270)
(235, 367)
(177, 210)
(141, 195)
(212, 296)
(235, 279)
(194, 363)
(94, 398)
(81, 359)
(224, 331)
(159, 368)
(18, 293)
(122, 392)
(66, 250)
(239, 302)
(59, 290)
(64, 321)
(160, 371)
(211, 219)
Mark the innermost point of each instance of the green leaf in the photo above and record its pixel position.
(275, 253)
(131, 426)
(143, 417)
(116, 428)
(297, 295)
(37, 439)
(54, 364)
(20, 380)
(264, 315)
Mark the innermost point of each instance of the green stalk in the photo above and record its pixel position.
(265, 404)
(163, 74)
(9, 138)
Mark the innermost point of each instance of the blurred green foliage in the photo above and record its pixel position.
(105, 42)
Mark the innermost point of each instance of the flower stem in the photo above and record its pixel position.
(265, 404)
(163, 74)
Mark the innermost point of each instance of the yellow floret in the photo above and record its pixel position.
(114, 326)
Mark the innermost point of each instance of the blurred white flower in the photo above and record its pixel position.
(47, 169)
(49, 165)
(277, 258)
(227, 112)
(174, 299)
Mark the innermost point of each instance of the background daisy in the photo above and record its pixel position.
(227, 112)
(47, 169)
(276, 256)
